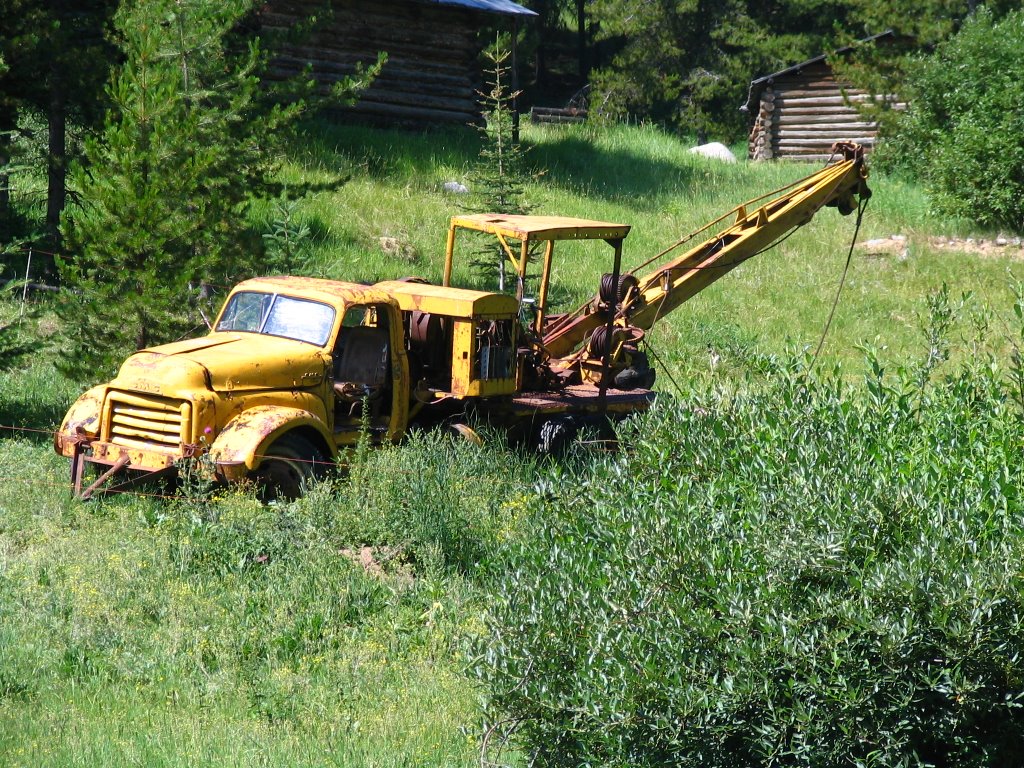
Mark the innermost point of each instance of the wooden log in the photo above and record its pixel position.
(395, 66)
(410, 113)
(808, 118)
(819, 101)
(815, 92)
(559, 111)
(557, 119)
(815, 158)
(425, 84)
(413, 99)
(796, 145)
(828, 136)
(366, 50)
(322, 71)
(815, 129)
(848, 112)
(813, 84)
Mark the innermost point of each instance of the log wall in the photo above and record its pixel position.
(802, 114)
(430, 76)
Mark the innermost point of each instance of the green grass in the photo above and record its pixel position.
(220, 631)
(216, 631)
(646, 178)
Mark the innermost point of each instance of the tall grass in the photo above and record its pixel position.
(213, 629)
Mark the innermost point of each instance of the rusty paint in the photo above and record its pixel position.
(249, 434)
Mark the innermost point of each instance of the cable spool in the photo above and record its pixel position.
(599, 346)
(612, 294)
(600, 339)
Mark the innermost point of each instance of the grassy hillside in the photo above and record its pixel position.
(643, 177)
(209, 629)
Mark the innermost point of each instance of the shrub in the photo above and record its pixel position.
(963, 134)
(812, 573)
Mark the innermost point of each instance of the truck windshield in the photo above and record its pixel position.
(277, 315)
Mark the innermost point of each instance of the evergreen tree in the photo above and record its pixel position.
(500, 172)
(57, 61)
(192, 141)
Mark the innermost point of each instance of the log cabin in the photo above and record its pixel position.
(800, 111)
(432, 73)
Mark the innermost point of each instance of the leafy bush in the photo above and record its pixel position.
(964, 131)
(809, 573)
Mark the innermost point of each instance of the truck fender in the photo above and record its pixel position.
(83, 418)
(240, 446)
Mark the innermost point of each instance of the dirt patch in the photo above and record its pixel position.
(380, 562)
(900, 246)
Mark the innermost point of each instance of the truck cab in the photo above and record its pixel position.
(294, 371)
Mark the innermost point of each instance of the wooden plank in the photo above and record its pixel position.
(813, 158)
(797, 144)
(814, 83)
(827, 128)
(396, 111)
(426, 83)
(829, 115)
(818, 101)
(414, 99)
(557, 119)
(829, 136)
(817, 94)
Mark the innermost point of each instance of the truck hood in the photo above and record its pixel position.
(224, 362)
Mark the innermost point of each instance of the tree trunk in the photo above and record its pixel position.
(8, 122)
(57, 171)
(581, 39)
(515, 79)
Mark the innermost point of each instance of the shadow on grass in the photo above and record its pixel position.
(29, 418)
(573, 162)
(383, 153)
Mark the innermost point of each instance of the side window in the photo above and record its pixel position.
(355, 316)
(359, 316)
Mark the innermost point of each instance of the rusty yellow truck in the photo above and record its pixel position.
(295, 368)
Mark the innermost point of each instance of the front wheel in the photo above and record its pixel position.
(288, 467)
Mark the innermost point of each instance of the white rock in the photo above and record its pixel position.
(715, 150)
(455, 188)
(898, 238)
(1002, 241)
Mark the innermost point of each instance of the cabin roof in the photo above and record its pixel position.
(504, 7)
(758, 85)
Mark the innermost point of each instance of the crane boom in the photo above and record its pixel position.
(639, 302)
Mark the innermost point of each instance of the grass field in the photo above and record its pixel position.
(209, 629)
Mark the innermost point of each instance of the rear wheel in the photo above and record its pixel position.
(289, 465)
(556, 435)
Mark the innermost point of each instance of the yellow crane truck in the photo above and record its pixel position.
(296, 368)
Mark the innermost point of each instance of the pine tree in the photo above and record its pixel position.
(193, 140)
(500, 173)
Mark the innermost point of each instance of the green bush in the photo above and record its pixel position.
(963, 134)
(807, 573)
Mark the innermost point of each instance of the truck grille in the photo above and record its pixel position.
(146, 421)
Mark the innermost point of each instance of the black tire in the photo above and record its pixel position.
(556, 435)
(289, 465)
